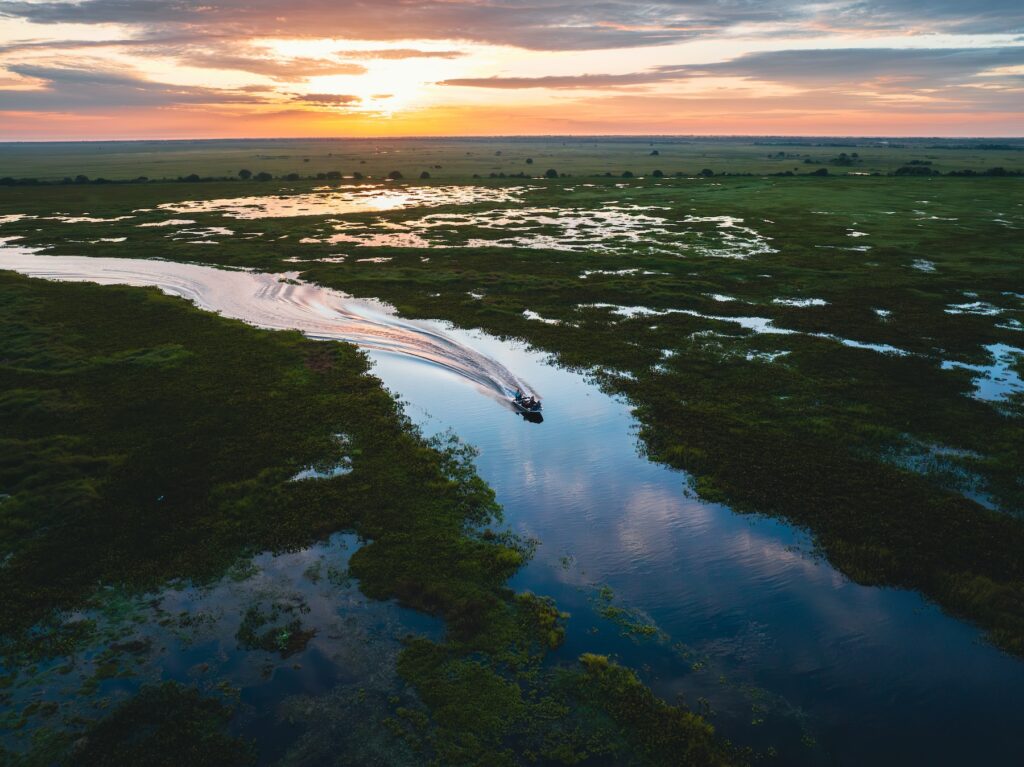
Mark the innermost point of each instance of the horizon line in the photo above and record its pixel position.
(463, 137)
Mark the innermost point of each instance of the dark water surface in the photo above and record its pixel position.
(754, 623)
(702, 601)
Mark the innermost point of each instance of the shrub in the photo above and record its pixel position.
(707, 172)
(529, 161)
(424, 175)
(658, 174)
(551, 173)
(357, 176)
(245, 174)
(395, 175)
(263, 176)
(334, 174)
(627, 174)
(914, 170)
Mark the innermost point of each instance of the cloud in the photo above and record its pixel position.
(396, 54)
(536, 24)
(923, 66)
(240, 56)
(558, 81)
(950, 16)
(327, 99)
(87, 90)
(284, 70)
(810, 68)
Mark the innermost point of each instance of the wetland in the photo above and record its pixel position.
(773, 513)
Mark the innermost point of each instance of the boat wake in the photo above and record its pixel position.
(280, 302)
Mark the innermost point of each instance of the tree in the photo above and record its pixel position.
(707, 172)
(357, 176)
(551, 173)
(292, 177)
(658, 174)
(627, 174)
(529, 161)
(654, 153)
(245, 174)
(80, 179)
(333, 175)
(263, 176)
(424, 175)
(395, 175)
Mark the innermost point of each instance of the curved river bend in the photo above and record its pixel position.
(784, 648)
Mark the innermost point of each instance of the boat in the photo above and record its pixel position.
(528, 407)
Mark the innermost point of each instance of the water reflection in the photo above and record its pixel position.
(329, 644)
(783, 647)
(356, 198)
(788, 651)
(606, 229)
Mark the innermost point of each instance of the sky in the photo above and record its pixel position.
(124, 69)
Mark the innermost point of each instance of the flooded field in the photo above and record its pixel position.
(329, 201)
(778, 476)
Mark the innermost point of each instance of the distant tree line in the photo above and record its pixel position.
(912, 168)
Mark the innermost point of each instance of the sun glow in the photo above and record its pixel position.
(388, 85)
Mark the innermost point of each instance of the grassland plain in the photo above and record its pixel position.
(462, 158)
(145, 442)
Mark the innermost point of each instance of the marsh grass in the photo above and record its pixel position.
(806, 436)
(145, 443)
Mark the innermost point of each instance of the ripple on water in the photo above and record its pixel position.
(279, 302)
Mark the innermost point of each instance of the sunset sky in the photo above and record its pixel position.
(97, 69)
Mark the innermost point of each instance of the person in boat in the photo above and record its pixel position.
(529, 403)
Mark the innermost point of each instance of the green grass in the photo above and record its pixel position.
(460, 159)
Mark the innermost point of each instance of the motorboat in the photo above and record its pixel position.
(528, 407)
